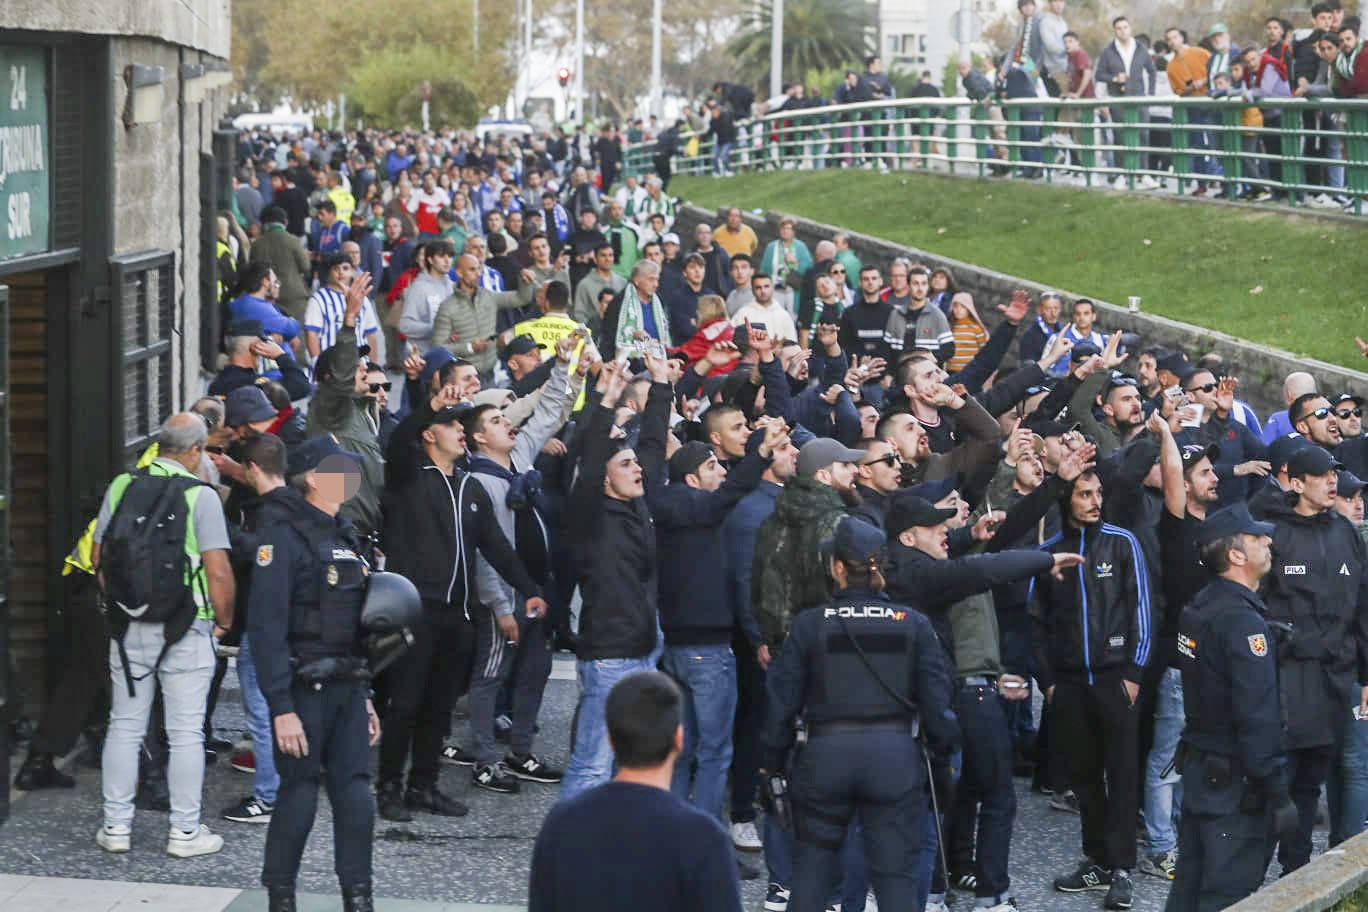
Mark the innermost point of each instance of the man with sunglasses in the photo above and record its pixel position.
(1353, 449)
(1211, 404)
(379, 386)
(877, 478)
(1313, 417)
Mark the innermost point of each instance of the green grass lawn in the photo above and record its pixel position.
(1297, 283)
(1355, 902)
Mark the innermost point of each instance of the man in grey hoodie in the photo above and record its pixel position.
(425, 294)
(501, 458)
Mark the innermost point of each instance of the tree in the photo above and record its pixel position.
(818, 35)
(386, 88)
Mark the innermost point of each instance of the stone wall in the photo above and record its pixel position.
(1261, 369)
(200, 24)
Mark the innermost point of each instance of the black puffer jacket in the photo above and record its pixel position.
(1097, 618)
(1319, 585)
(614, 541)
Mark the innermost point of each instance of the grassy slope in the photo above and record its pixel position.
(1189, 261)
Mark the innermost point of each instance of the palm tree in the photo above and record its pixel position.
(818, 35)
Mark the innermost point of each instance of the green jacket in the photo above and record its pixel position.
(338, 410)
(462, 319)
(1080, 409)
(789, 574)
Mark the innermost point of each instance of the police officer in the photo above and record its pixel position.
(1234, 791)
(304, 616)
(866, 674)
(1319, 586)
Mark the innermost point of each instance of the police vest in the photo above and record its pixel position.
(331, 615)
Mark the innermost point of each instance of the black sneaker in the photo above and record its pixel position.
(249, 810)
(530, 768)
(1122, 891)
(495, 777)
(39, 772)
(433, 801)
(457, 755)
(965, 883)
(1089, 876)
(389, 801)
(776, 898)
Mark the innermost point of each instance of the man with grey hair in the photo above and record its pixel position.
(636, 316)
(248, 348)
(1297, 384)
(184, 664)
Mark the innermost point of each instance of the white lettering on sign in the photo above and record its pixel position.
(18, 88)
(20, 217)
(21, 149)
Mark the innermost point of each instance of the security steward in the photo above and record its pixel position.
(1231, 755)
(304, 624)
(866, 675)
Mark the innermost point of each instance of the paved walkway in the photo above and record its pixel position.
(49, 862)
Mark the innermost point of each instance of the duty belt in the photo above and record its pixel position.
(331, 668)
(906, 726)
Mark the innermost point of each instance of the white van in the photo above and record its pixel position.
(279, 125)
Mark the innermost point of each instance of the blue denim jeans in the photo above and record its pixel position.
(1347, 786)
(854, 888)
(707, 676)
(266, 781)
(1163, 793)
(722, 158)
(591, 763)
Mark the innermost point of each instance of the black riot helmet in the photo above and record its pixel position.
(392, 602)
(391, 609)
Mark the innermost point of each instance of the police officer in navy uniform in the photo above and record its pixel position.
(304, 623)
(1235, 794)
(865, 674)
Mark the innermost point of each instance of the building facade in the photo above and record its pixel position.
(111, 170)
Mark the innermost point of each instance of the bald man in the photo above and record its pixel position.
(1297, 384)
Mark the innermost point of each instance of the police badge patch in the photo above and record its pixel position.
(1258, 645)
(265, 554)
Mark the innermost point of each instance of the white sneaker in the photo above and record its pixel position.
(745, 837)
(1146, 183)
(936, 906)
(1119, 183)
(1321, 201)
(114, 839)
(197, 842)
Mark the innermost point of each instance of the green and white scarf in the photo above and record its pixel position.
(1344, 63)
(630, 320)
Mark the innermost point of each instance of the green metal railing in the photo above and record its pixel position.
(1301, 151)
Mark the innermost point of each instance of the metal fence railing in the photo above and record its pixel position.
(1304, 152)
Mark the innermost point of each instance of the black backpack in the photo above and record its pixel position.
(143, 561)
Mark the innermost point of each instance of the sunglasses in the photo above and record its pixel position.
(386, 386)
(838, 272)
(1321, 413)
(888, 459)
(1206, 388)
(1348, 413)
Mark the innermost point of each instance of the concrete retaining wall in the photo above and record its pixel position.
(1261, 369)
(1318, 886)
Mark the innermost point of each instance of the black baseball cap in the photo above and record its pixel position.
(523, 344)
(1282, 448)
(1348, 484)
(1347, 397)
(310, 454)
(1232, 520)
(449, 414)
(244, 328)
(1084, 350)
(908, 510)
(1047, 427)
(688, 459)
(1194, 453)
(1174, 362)
(934, 492)
(1311, 460)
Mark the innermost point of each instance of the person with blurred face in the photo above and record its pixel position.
(1091, 666)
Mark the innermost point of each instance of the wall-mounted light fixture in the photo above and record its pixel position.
(193, 82)
(146, 94)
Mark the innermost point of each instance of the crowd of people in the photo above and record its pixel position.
(706, 458)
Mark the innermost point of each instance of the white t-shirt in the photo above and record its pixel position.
(776, 319)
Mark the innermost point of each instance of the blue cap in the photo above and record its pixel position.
(933, 491)
(310, 454)
(1233, 520)
(245, 405)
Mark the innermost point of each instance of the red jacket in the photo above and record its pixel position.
(1357, 85)
(718, 330)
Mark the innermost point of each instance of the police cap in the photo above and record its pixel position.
(1230, 521)
(855, 541)
(310, 454)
